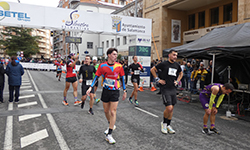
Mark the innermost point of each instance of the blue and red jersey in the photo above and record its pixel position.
(111, 75)
(59, 66)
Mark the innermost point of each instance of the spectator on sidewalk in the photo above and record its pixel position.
(187, 73)
(194, 80)
(183, 65)
(202, 72)
(14, 70)
(1, 82)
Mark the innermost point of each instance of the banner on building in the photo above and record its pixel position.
(176, 31)
(33, 16)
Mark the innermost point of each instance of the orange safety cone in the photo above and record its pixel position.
(153, 88)
(141, 89)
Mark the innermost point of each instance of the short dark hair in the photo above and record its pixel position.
(133, 57)
(110, 50)
(171, 51)
(228, 86)
(88, 56)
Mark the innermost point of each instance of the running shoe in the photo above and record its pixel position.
(56, 75)
(215, 130)
(65, 103)
(59, 80)
(107, 131)
(82, 105)
(91, 112)
(97, 100)
(136, 103)
(77, 102)
(164, 128)
(130, 100)
(170, 130)
(206, 131)
(110, 139)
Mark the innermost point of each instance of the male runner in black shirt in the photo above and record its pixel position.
(87, 70)
(169, 79)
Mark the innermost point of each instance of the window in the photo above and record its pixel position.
(227, 15)
(191, 21)
(124, 40)
(214, 15)
(202, 19)
(116, 1)
(89, 45)
(112, 43)
(110, 1)
(102, 44)
(118, 41)
(107, 44)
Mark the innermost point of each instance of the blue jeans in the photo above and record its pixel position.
(11, 92)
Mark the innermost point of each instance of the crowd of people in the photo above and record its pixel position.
(168, 75)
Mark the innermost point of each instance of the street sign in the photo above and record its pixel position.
(77, 40)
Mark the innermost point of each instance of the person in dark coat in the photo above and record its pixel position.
(1, 82)
(14, 70)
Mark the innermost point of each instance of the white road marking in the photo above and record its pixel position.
(27, 104)
(26, 84)
(25, 81)
(26, 117)
(27, 90)
(146, 112)
(25, 87)
(26, 96)
(62, 143)
(9, 130)
(34, 137)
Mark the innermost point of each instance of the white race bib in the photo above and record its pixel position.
(109, 82)
(136, 72)
(74, 71)
(88, 82)
(172, 71)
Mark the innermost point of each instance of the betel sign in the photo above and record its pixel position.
(21, 16)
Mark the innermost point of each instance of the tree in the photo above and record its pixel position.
(19, 39)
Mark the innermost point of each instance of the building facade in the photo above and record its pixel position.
(90, 42)
(176, 22)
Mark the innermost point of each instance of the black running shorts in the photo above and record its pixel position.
(59, 72)
(169, 97)
(71, 79)
(135, 80)
(85, 88)
(110, 95)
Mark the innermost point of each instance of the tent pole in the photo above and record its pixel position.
(228, 113)
(212, 78)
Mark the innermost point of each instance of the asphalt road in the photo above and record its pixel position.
(40, 122)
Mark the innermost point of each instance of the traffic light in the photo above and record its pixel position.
(52, 33)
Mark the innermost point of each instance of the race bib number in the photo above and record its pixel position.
(136, 72)
(88, 82)
(109, 82)
(74, 71)
(172, 71)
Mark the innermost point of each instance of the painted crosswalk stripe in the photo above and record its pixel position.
(26, 96)
(34, 137)
(26, 84)
(27, 104)
(26, 117)
(25, 87)
(9, 130)
(27, 90)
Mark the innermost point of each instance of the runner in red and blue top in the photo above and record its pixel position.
(59, 65)
(111, 71)
(71, 78)
(211, 98)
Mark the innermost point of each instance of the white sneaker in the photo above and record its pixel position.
(107, 131)
(164, 128)
(110, 139)
(170, 130)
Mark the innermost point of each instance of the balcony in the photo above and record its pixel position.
(73, 1)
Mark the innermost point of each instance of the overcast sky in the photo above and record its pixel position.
(50, 3)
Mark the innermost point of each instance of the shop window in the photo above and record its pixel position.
(214, 15)
(228, 10)
(191, 21)
(202, 19)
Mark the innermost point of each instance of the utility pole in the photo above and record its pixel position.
(135, 14)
